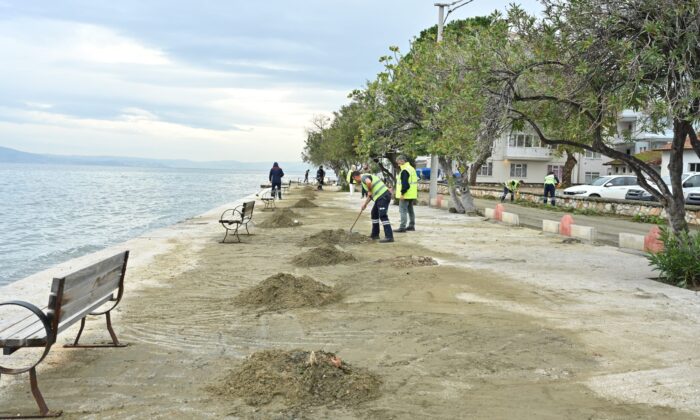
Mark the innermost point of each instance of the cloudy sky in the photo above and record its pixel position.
(205, 80)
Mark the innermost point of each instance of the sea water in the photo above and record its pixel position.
(50, 214)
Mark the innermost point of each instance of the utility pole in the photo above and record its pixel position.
(434, 163)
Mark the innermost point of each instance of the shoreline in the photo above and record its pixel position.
(35, 288)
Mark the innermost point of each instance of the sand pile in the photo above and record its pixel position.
(322, 255)
(334, 237)
(304, 203)
(281, 218)
(284, 291)
(410, 261)
(300, 378)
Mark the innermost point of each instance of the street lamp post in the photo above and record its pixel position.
(434, 163)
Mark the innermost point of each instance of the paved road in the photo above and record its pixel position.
(607, 228)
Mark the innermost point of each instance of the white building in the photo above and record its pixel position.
(520, 155)
(691, 161)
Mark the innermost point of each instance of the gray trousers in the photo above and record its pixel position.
(406, 209)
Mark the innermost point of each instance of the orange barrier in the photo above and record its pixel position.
(652, 241)
(498, 212)
(565, 225)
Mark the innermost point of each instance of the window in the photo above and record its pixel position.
(617, 169)
(486, 169)
(590, 176)
(692, 182)
(523, 140)
(631, 181)
(618, 182)
(518, 170)
(694, 167)
(624, 169)
(557, 169)
(592, 155)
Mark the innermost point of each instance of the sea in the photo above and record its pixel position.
(53, 213)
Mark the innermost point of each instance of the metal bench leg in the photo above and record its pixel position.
(224, 240)
(44, 411)
(115, 340)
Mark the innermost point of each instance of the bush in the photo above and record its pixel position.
(679, 262)
(649, 218)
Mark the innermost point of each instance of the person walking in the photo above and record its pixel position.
(276, 174)
(511, 186)
(550, 187)
(320, 176)
(306, 177)
(377, 191)
(351, 182)
(407, 193)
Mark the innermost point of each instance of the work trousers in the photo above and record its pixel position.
(406, 212)
(549, 190)
(320, 184)
(380, 213)
(277, 187)
(505, 192)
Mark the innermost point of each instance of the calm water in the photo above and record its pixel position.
(50, 214)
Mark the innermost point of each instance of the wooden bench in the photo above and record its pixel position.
(72, 299)
(233, 219)
(268, 198)
(286, 186)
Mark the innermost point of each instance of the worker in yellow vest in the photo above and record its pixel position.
(550, 187)
(407, 193)
(377, 191)
(511, 186)
(351, 182)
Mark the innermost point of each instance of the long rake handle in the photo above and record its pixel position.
(356, 219)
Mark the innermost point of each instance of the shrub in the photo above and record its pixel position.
(679, 262)
(649, 218)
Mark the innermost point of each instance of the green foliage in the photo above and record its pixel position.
(679, 262)
(649, 218)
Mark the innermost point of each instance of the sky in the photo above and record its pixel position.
(205, 80)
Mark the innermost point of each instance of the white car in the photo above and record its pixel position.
(613, 186)
(691, 189)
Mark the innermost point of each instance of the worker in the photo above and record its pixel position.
(276, 175)
(351, 182)
(320, 176)
(365, 170)
(407, 193)
(511, 186)
(550, 187)
(377, 191)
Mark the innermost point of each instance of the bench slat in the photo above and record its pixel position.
(80, 303)
(99, 269)
(109, 279)
(22, 329)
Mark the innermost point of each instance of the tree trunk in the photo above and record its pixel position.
(455, 202)
(568, 169)
(479, 162)
(675, 208)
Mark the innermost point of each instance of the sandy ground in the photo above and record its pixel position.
(511, 324)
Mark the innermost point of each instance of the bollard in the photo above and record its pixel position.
(498, 212)
(652, 243)
(565, 225)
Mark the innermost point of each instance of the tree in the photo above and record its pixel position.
(567, 77)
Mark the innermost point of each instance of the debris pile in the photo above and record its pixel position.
(300, 378)
(304, 203)
(285, 291)
(322, 255)
(410, 261)
(281, 218)
(334, 237)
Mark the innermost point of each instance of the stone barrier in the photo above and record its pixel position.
(565, 225)
(631, 241)
(490, 213)
(550, 226)
(586, 233)
(510, 218)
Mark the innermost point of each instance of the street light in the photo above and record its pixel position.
(442, 18)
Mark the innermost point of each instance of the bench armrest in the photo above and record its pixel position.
(50, 336)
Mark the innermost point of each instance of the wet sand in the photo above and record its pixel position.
(510, 324)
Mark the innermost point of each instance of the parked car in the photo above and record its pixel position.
(613, 186)
(691, 189)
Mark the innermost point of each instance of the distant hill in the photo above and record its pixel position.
(8, 155)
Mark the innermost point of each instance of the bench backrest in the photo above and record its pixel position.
(247, 211)
(76, 295)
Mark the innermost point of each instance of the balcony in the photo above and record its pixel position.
(528, 153)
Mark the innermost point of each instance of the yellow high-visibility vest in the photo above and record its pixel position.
(412, 192)
(378, 187)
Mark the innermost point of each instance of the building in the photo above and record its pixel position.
(691, 161)
(650, 157)
(520, 155)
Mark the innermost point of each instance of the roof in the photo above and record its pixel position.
(667, 146)
(652, 157)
